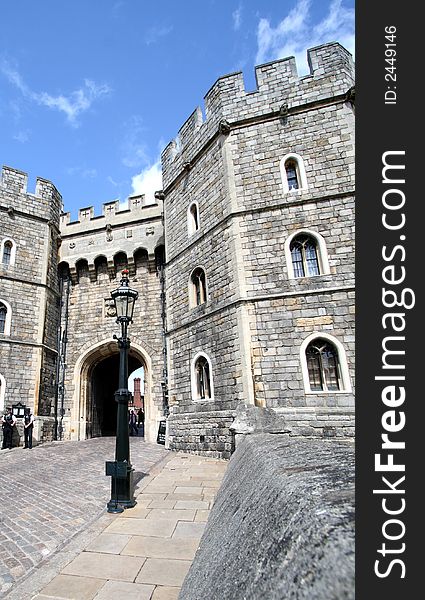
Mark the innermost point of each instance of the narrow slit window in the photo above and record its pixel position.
(193, 218)
(7, 253)
(199, 284)
(3, 314)
(291, 169)
(202, 374)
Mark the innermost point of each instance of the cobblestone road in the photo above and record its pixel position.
(51, 493)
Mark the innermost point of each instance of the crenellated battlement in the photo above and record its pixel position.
(45, 203)
(113, 213)
(331, 74)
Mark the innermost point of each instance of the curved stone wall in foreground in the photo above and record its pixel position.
(282, 525)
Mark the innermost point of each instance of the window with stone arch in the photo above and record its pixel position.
(293, 173)
(324, 365)
(5, 317)
(197, 287)
(306, 255)
(193, 218)
(201, 378)
(8, 252)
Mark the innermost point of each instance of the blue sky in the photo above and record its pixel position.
(92, 90)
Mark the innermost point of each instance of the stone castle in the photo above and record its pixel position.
(244, 267)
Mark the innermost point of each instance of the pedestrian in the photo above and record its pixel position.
(132, 423)
(8, 422)
(28, 428)
(141, 420)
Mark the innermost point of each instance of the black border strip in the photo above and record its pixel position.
(388, 119)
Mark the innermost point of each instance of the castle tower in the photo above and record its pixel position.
(259, 221)
(29, 296)
(137, 397)
(94, 251)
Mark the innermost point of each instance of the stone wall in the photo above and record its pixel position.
(29, 286)
(257, 316)
(96, 249)
(285, 510)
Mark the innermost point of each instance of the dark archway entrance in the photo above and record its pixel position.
(104, 383)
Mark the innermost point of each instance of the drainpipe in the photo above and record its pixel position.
(164, 381)
(61, 364)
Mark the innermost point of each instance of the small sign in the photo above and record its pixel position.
(161, 433)
(116, 468)
(18, 409)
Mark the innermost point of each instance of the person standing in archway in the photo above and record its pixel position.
(141, 420)
(132, 423)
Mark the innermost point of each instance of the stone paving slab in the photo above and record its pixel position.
(144, 552)
(164, 572)
(105, 566)
(64, 586)
(121, 590)
(151, 547)
(55, 492)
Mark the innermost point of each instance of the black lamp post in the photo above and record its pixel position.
(121, 471)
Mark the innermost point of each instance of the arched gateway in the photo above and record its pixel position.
(94, 409)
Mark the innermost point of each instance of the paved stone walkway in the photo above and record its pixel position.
(50, 494)
(66, 546)
(145, 552)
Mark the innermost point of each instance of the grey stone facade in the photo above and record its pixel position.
(93, 253)
(257, 319)
(29, 287)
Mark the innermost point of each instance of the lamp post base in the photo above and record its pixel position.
(122, 492)
(114, 508)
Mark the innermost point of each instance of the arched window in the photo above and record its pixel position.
(324, 364)
(293, 173)
(141, 258)
(306, 255)
(82, 267)
(120, 262)
(8, 251)
(193, 218)
(198, 282)
(101, 268)
(5, 317)
(291, 169)
(202, 386)
(63, 270)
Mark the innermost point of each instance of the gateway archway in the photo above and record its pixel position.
(102, 417)
(96, 375)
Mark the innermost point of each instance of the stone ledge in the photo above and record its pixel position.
(286, 511)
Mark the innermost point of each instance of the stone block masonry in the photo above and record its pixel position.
(29, 289)
(259, 314)
(244, 267)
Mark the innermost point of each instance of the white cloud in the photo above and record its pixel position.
(21, 136)
(77, 102)
(295, 33)
(148, 181)
(155, 33)
(237, 18)
(134, 151)
(72, 105)
(83, 172)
